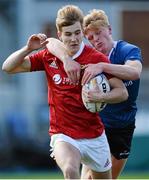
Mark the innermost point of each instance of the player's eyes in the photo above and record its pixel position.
(77, 32)
(90, 38)
(67, 34)
(97, 33)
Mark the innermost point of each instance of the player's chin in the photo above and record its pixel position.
(74, 48)
(100, 49)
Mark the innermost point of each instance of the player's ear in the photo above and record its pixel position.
(83, 31)
(110, 29)
(59, 34)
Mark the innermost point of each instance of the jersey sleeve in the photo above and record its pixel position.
(103, 58)
(36, 60)
(132, 53)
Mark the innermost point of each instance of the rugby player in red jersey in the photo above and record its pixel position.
(126, 64)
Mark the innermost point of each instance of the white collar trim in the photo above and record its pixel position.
(79, 52)
(114, 46)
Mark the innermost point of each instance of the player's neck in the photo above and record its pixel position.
(110, 47)
(79, 51)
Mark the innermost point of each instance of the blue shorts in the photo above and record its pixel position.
(120, 140)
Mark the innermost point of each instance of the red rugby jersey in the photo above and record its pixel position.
(68, 115)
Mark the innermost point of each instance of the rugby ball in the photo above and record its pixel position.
(102, 82)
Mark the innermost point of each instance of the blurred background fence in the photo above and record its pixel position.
(24, 139)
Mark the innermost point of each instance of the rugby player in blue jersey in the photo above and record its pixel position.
(119, 119)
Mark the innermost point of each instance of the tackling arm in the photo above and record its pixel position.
(71, 67)
(131, 70)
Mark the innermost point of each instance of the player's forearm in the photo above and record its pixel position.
(116, 95)
(15, 59)
(124, 72)
(57, 48)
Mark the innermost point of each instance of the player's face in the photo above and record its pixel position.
(100, 39)
(72, 37)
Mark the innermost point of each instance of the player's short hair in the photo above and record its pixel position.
(68, 15)
(95, 19)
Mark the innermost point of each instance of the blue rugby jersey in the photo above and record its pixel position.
(122, 114)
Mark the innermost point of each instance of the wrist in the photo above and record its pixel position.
(66, 58)
(26, 50)
(103, 98)
(102, 66)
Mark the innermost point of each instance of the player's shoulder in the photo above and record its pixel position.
(126, 51)
(92, 51)
(126, 46)
(89, 48)
(93, 55)
(44, 53)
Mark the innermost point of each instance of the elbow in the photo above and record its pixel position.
(125, 95)
(6, 69)
(136, 75)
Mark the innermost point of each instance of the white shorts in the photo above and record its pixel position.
(95, 152)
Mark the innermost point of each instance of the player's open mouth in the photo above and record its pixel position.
(99, 45)
(74, 45)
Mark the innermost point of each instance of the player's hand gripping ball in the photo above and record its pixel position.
(102, 82)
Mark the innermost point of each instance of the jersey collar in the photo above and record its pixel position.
(79, 52)
(113, 48)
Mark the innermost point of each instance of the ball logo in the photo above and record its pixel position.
(57, 78)
(104, 87)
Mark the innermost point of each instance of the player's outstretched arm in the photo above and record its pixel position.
(19, 61)
(72, 68)
(131, 70)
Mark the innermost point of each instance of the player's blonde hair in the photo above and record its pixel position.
(95, 19)
(68, 15)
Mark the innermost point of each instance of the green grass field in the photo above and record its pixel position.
(58, 175)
